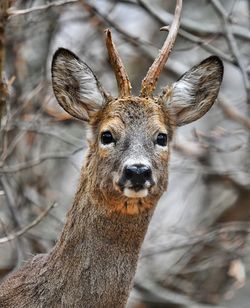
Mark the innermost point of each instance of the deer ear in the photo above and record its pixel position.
(75, 85)
(195, 92)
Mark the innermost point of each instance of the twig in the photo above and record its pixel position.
(19, 233)
(150, 9)
(38, 161)
(13, 12)
(154, 293)
(9, 148)
(202, 29)
(133, 40)
(146, 47)
(189, 148)
(62, 136)
(4, 5)
(233, 114)
(128, 38)
(228, 180)
(10, 200)
(30, 197)
(233, 45)
(198, 239)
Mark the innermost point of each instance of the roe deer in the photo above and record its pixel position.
(125, 173)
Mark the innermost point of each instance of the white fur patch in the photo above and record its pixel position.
(184, 92)
(138, 161)
(89, 89)
(130, 193)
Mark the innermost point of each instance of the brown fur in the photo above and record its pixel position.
(94, 261)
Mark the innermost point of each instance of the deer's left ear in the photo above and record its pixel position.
(195, 92)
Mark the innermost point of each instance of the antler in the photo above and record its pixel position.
(123, 82)
(149, 82)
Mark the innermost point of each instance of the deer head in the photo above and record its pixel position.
(130, 135)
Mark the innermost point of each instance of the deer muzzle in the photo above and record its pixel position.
(136, 180)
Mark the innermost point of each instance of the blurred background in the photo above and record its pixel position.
(196, 253)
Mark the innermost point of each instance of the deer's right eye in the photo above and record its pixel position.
(107, 138)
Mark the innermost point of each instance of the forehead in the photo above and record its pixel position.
(135, 112)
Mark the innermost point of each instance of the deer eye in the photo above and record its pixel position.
(162, 139)
(107, 138)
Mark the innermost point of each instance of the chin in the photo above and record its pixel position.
(131, 193)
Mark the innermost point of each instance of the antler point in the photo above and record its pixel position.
(165, 28)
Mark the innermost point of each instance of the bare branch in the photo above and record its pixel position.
(189, 148)
(146, 48)
(233, 45)
(156, 14)
(10, 198)
(215, 234)
(153, 293)
(4, 5)
(193, 26)
(233, 114)
(38, 161)
(62, 136)
(13, 12)
(19, 233)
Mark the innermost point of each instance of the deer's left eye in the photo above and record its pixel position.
(162, 139)
(107, 138)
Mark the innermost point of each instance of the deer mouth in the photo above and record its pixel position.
(135, 192)
(133, 187)
(130, 190)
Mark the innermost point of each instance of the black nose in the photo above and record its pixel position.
(138, 175)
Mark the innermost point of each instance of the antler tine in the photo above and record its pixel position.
(149, 82)
(123, 82)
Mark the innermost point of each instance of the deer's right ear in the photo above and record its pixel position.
(75, 85)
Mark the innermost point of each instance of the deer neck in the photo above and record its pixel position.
(97, 253)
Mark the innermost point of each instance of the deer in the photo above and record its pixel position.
(125, 173)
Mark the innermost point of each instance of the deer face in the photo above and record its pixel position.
(131, 147)
(130, 135)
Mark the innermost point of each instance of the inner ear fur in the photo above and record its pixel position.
(196, 91)
(75, 86)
